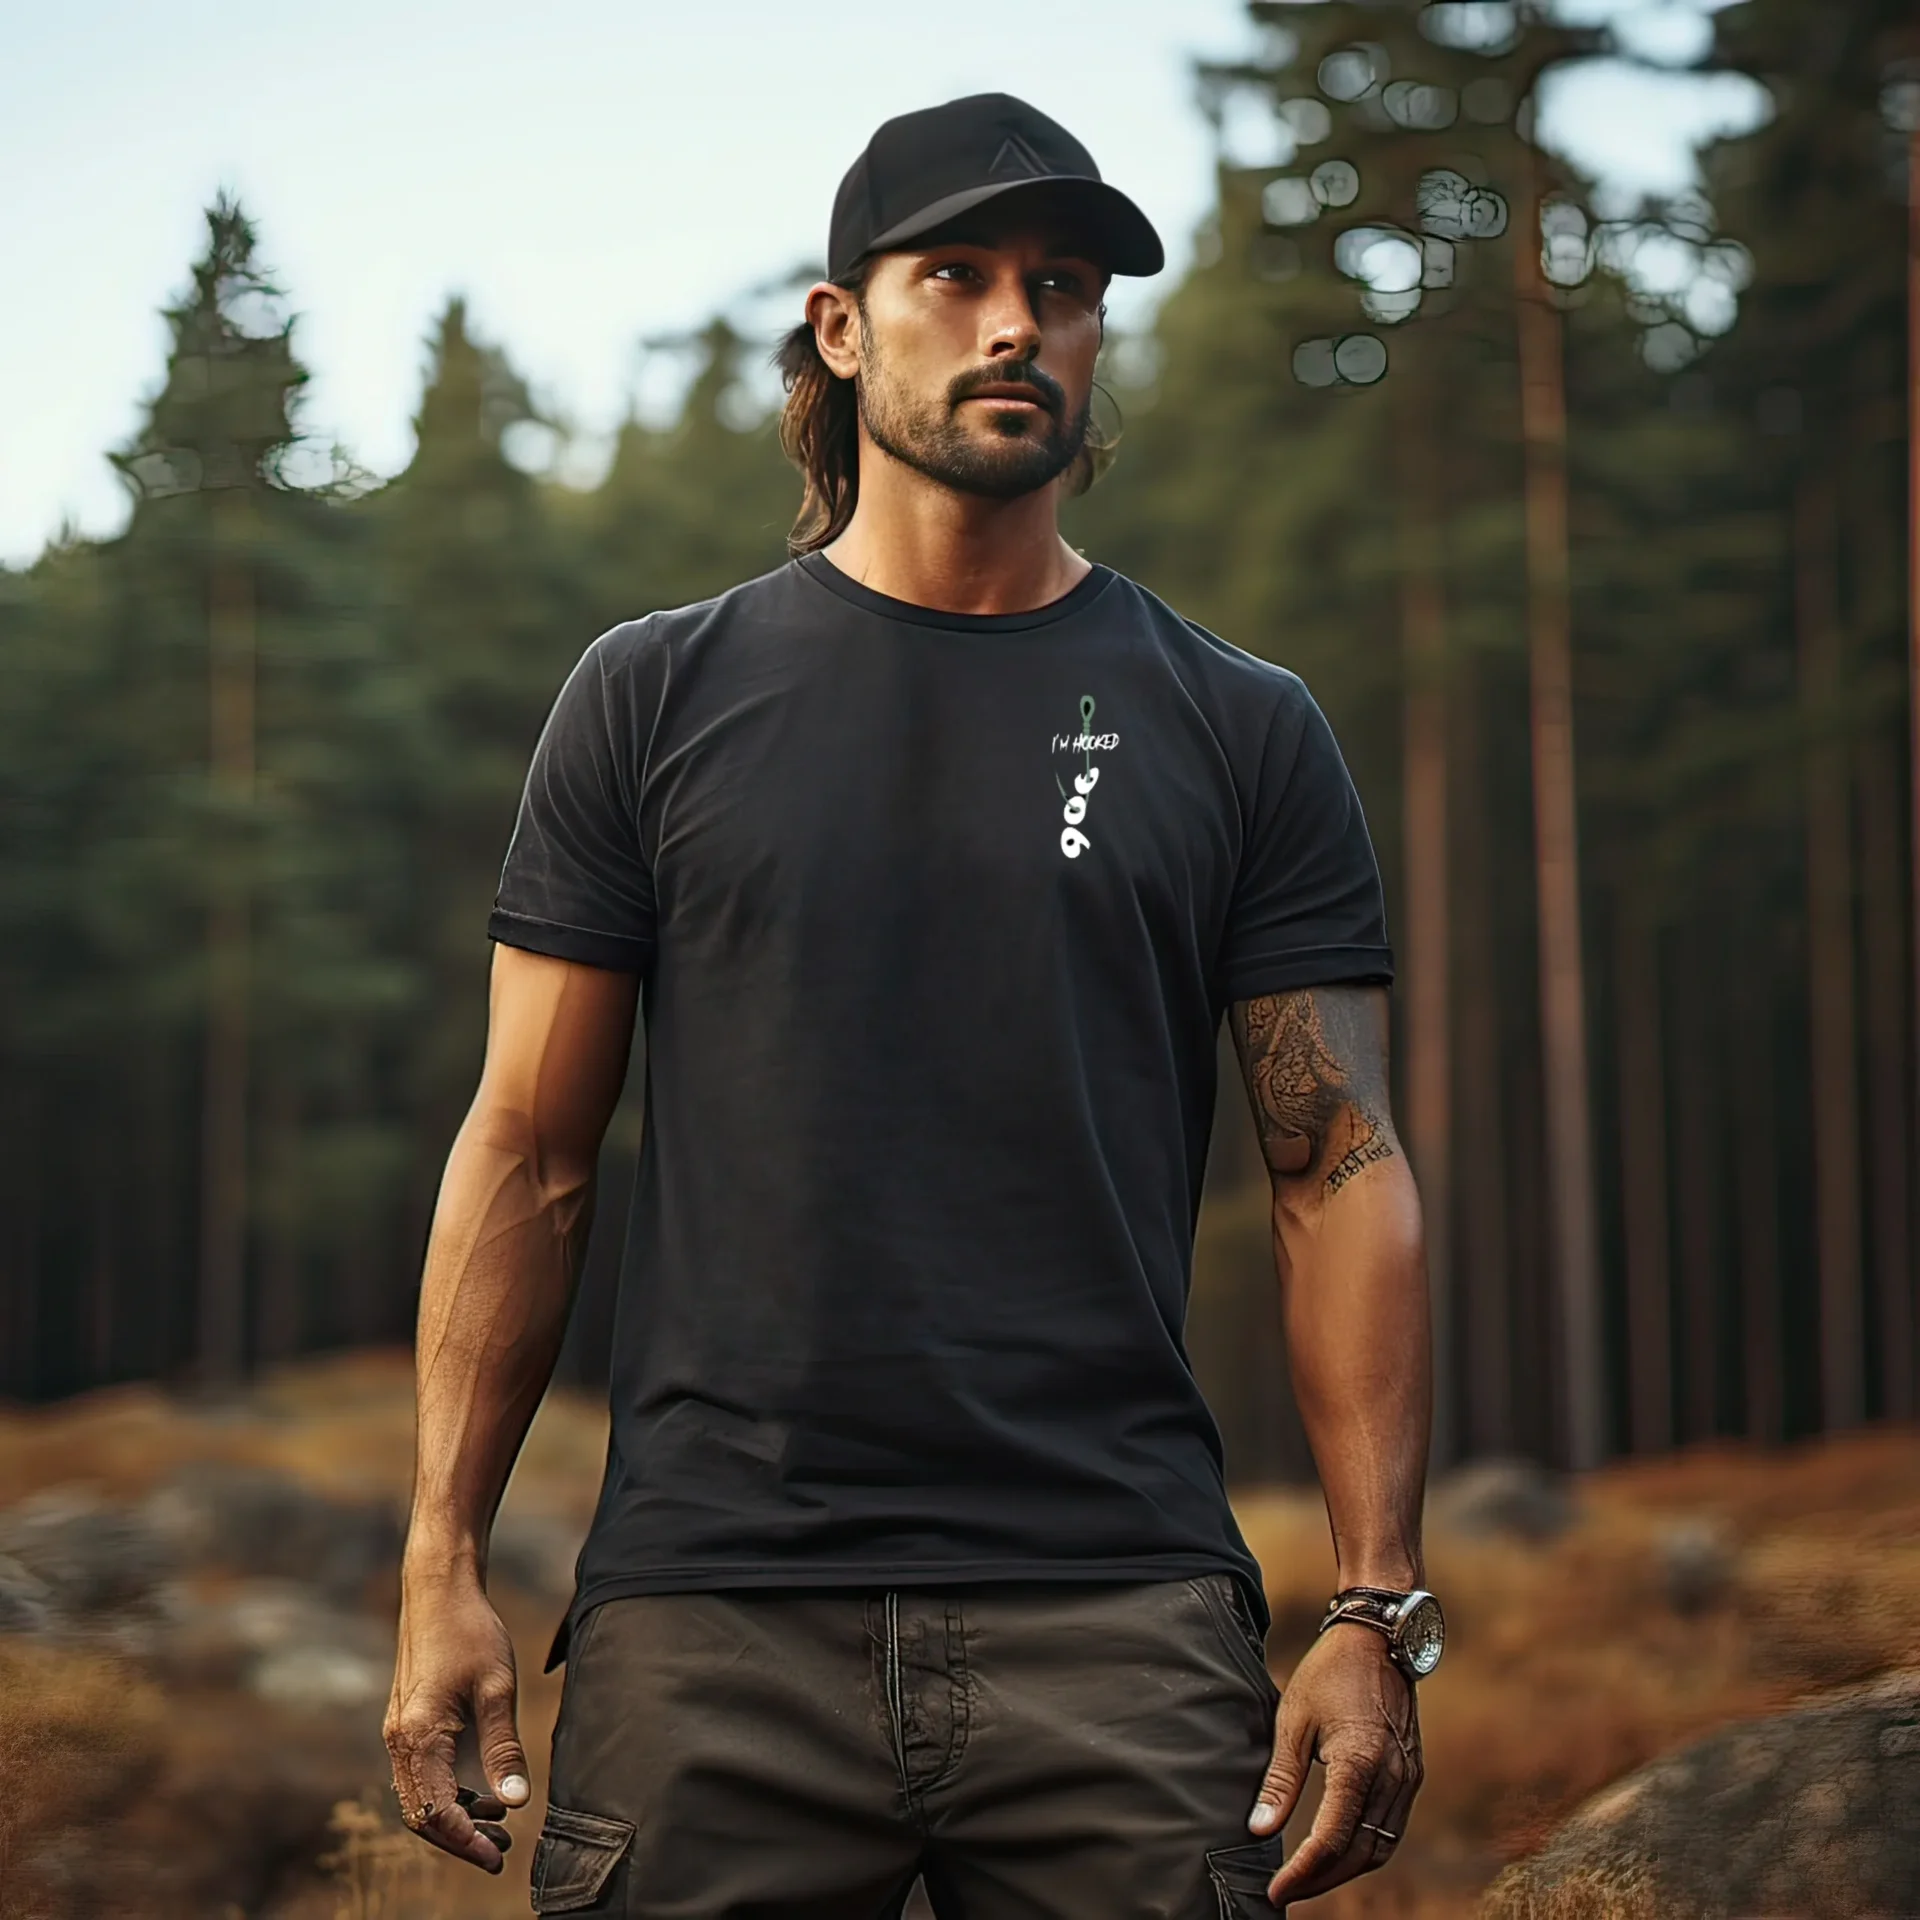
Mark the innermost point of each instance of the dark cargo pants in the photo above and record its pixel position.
(1056, 1752)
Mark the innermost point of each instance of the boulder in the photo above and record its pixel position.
(86, 1556)
(1519, 1498)
(284, 1641)
(1697, 1564)
(257, 1520)
(322, 1679)
(1814, 1813)
(26, 1601)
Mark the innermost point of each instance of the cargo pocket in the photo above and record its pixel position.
(574, 1857)
(1240, 1876)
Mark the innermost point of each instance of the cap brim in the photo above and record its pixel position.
(1123, 237)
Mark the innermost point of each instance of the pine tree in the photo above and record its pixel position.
(216, 434)
(479, 624)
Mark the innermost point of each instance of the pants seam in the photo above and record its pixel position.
(959, 1694)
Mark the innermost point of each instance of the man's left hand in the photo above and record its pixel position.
(1349, 1707)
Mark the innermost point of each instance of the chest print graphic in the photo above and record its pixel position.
(1074, 842)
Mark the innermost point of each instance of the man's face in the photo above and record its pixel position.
(976, 348)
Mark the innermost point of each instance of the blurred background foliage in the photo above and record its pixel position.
(1424, 422)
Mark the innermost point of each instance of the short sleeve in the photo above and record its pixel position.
(575, 882)
(1307, 905)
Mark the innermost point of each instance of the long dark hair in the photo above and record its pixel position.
(820, 434)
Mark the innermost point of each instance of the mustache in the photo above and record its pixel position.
(1016, 373)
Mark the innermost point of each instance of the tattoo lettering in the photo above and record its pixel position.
(1315, 1067)
(1378, 1147)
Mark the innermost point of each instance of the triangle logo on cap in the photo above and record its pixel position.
(1016, 161)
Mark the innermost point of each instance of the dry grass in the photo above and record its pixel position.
(1581, 1896)
(1569, 1664)
(79, 1732)
(379, 1870)
(342, 1422)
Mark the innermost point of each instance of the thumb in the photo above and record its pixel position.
(501, 1753)
(1286, 1775)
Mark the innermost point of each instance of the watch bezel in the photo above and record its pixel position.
(1403, 1615)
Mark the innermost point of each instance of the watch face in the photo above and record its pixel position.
(1422, 1635)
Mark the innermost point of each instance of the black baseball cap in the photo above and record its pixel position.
(922, 169)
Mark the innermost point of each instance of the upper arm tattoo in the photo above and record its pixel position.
(1315, 1062)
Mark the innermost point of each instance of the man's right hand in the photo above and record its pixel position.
(455, 1656)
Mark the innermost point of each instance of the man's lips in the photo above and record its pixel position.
(1019, 396)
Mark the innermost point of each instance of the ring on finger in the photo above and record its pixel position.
(1392, 1839)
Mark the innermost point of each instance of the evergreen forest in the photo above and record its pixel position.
(1591, 529)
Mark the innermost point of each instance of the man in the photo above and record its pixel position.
(936, 857)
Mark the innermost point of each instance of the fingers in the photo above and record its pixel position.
(462, 1821)
(453, 1830)
(1328, 1855)
(1395, 1819)
(1378, 1831)
(1401, 1776)
(1363, 1815)
(487, 1812)
(1286, 1773)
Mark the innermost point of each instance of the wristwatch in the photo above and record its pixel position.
(1415, 1628)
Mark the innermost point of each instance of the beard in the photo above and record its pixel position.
(1017, 454)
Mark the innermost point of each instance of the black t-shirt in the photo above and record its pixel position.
(937, 916)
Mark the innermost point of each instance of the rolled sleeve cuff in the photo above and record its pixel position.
(1307, 967)
(619, 952)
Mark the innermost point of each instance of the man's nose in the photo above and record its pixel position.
(1012, 327)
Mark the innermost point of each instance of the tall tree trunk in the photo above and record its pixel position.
(1911, 1392)
(1751, 1080)
(223, 1200)
(1698, 1178)
(1872, 543)
(1424, 798)
(280, 1308)
(1890, 1149)
(1576, 1258)
(1643, 1174)
(153, 1249)
(1486, 1293)
(1538, 1350)
(1899, 1308)
(23, 1118)
(105, 1167)
(1830, 958)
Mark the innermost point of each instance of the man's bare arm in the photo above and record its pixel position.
(509, 1232)
(1352, 1266)
(1352, 1269)
(503, 1259)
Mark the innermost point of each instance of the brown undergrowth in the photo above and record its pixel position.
(1570, 1662)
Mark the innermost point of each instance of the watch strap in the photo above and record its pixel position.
(1374, 1606)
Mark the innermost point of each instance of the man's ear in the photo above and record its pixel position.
(834, 315)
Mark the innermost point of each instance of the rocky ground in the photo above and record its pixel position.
(196, 1608)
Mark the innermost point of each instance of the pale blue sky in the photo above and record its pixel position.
(585, 172)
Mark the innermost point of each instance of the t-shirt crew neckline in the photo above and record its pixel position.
(1082, 594)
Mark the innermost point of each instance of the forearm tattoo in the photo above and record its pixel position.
(1315, 1066)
